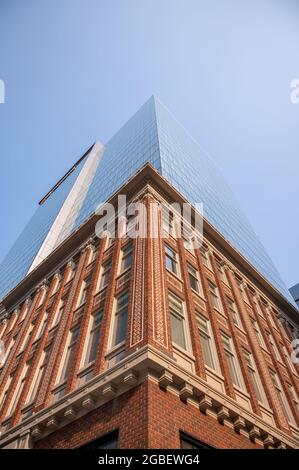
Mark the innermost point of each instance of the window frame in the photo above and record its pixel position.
(180, 315)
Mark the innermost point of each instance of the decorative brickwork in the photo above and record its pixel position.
(148, 387)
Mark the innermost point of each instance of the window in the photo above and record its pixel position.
(289, 360)
(215, 296)
(6, 389)
(231, 360)
(194, 279)
(120, 319)
(171, 260)
(18, 390)
(56, 285)
(177, 320)
(282, 398)
(84, 289)
(258, 333)
(25, 308)
(38, 376)
(42, 298)
(188, 442)
(58, 312)
(67, 361)
(205, 257)
(167, 222)
(92, 255)
(105, 274)
(221, 271)
(258, 306)
(126, 257)
(94, 336)
(270, 314)
(255, 378)
(234, 312)
(109, 441)
(42, 325)
(207, 343)
(8, 350)
(294, 396)
(243, 292)
(273, 346)
(27, 338)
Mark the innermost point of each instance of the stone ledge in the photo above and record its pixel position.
(148, 363)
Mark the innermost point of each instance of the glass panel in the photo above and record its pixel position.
(177, 331)
(206, 350)
(232, 368)
(120, 326)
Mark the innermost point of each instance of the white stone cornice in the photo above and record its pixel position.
(150, 364)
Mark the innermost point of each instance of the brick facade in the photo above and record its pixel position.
(147, 387)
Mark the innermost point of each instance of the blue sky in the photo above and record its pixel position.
(76, 70)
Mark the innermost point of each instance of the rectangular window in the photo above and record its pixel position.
(18, 390)
(105, 275)
(215, 296)
(6, 389)
(126, 257)
(84, 289)
(231, 360)
(234, 312)
(178, 322)
(56, 285)
(243, 292)
(94, 336)
(255, 378)
(221, 271)
(109, 441)
(194, 279)
(38, 376)
(58, 313)
(167, 222)
(205, 257)
(282, 397)
(270, 314)
(258, 333)
(294, 396)
(27, 338)
(188, 442)
(120, 319)
(42, 325)
(273, 346)
(288, 359)
(258, 306)
(73, 336)
(171, 260)
(207, 342)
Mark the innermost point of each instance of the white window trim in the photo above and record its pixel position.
(212, 343)
(186, 327)
(115, 348)
(240, 377)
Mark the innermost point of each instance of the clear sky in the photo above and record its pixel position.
(76, 70)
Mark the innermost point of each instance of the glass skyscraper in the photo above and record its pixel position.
(152, 135)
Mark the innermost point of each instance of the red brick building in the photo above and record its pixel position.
(143, 343)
